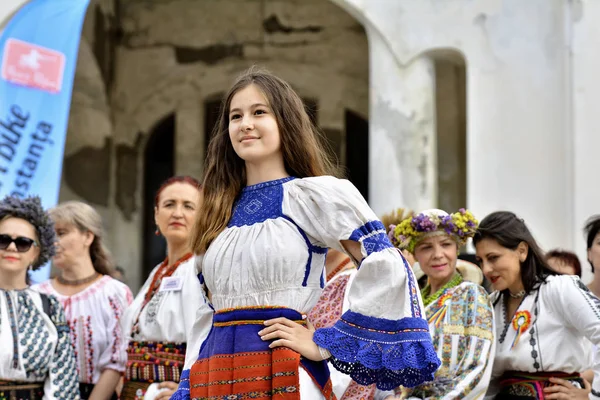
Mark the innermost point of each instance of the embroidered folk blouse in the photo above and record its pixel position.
(35, 346)
(461, 322)
(548, 331)
(273, 253)
(170, 314)
(94, 318)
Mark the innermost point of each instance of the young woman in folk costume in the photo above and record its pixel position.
(160, 319)
(459, 312)
(269, 215)
(542, 319)
(93, 301)
(36, 355)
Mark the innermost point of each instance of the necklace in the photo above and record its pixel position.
(163, 271)
(428, 299)
(77, 282)
(338, 269)
(518, 295)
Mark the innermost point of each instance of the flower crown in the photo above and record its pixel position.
(461, 225)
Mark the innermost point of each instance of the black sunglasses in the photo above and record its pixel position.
(22, 244)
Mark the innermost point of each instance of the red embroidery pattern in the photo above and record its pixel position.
(89, 349)
(117, 334)
(325, 314)
(162, 272)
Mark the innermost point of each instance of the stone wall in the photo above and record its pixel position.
(144, 60)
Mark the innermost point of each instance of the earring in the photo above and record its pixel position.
(157, 232)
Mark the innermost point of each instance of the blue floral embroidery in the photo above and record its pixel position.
(259, 203)
(373, 237)
(264, 201)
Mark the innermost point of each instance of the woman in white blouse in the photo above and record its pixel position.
(93, 301)
(269, 213)
(542, 319)
(158, 322)
(36, 356)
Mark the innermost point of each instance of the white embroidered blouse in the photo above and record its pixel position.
(554, 324)
(170, 314)
(35, 344)
(273, 252)
(94, 318)
(461, 322)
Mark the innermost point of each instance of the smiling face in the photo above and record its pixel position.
(437, 257)
(253, 129)
(176, 211)
(12, 261)
(501, 265)
(72, 245)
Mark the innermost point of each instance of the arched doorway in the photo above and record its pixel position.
(357, 151)
(451, 129)
(159, 166)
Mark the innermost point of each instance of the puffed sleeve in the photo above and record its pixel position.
(62, 382)
(200, 323)
(383, 338)
(580, 308)
(114, 356)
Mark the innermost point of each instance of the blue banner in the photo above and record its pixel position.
(38, 56)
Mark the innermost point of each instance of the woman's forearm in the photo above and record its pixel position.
(106, 385)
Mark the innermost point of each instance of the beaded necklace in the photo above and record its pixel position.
(428, 299)
(338, 269)
(163, 271)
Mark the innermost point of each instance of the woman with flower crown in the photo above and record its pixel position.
(459, 312)
(545, 321)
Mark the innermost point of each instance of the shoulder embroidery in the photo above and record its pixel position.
(470, 313)
(257, 204)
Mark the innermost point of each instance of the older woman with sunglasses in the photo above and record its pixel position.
(36, 356)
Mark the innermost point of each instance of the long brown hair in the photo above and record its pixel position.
(304, 153)
(86, 219)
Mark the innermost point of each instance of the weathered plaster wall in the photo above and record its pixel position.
(526, 151)
(174, 55)
(583, 140)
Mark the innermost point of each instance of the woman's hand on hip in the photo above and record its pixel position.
(169, 389)
(287, 333)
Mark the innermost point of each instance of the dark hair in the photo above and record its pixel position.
(566, 257)
(304, 153)
(591, 230)
(30, 209)
(509, 231)
(176, 179)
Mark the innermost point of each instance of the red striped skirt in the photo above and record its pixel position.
(234, 361)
